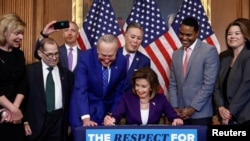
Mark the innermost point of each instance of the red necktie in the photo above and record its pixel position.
(185, 63)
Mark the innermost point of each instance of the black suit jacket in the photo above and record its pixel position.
(35, 112)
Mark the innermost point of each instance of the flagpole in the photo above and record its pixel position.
(77, 12)
(207, 7)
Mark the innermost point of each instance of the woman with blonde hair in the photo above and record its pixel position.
(12, 72)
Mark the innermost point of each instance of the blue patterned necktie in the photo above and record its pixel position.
(127, 57)
(105, 75)
(50, 91)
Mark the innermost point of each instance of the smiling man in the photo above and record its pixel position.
(50, 86)
(193, 74)
(90, 100)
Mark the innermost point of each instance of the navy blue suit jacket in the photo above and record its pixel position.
(88, 96)
(63, 61)
(140, 61)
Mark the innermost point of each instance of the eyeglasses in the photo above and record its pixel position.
(51, 55)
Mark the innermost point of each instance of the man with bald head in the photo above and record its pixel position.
(90, 100)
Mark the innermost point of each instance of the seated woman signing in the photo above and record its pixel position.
(143, 105)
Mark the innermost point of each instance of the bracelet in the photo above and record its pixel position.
(25, 123)
(44, 36)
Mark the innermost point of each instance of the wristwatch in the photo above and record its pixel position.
(44, 36)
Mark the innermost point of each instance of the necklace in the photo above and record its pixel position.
(144, 102)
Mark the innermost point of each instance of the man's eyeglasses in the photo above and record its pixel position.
(51, 55)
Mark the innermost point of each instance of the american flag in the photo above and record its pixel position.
(100, 20)
(157, 44)
(160, 42)
(194, 8)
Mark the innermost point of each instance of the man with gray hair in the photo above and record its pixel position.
(99, 83)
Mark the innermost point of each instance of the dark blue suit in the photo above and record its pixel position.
(140, 61)
(63, 61)
(129, 107)
(87, 96)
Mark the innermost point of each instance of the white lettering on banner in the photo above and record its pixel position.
(182, 137)
(99, 137)
(141, 135)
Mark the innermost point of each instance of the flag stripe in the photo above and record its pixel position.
(158, 43)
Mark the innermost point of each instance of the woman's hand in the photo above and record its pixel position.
(177, 122)
(16, 115)
(109, 121)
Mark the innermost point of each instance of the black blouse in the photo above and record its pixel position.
(12, 73)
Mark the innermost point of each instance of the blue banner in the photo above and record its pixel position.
(141, 135)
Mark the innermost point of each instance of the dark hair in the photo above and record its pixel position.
(244, 21)
(244, 30)
(134, 25)
(150, 75)
(190, 21)
(46, 41)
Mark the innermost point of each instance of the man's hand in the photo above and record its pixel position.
(88, 122)
(187, 112)
(48, 29)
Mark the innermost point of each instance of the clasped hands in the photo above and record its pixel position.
(15, 116)
(225, 115)
(185, 113)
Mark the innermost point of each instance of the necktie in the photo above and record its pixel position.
(105, 75)
(127, 57)
(185, 63)
(70, 58)
(50, 91)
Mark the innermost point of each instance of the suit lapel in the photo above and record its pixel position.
(63, 83)
(193, 56)
(135, 63)
(40, 81)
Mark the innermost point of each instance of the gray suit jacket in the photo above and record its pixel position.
(197, 88)
(238, 86)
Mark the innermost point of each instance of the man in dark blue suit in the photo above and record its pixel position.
(70, 35)
(133, 40)
(90, 102)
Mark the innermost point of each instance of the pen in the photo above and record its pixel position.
(110, 114)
